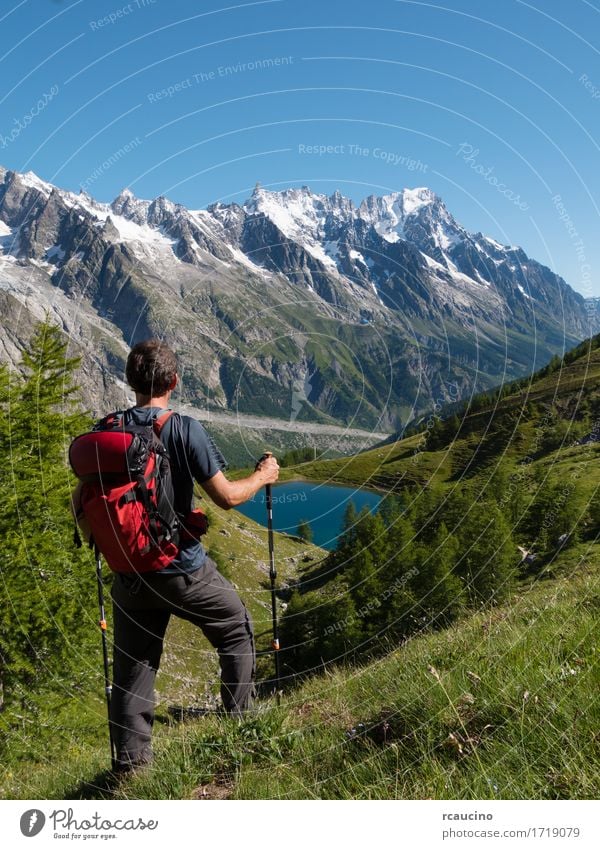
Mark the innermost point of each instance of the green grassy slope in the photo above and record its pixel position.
(503, 704)
(572, 393)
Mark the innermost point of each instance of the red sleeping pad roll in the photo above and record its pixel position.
(101, 454)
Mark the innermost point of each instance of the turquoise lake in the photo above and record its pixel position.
(322, 505)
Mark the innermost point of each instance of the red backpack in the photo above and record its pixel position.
(127, 493)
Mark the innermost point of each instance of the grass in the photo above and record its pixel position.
(503, 704)
(408, 462)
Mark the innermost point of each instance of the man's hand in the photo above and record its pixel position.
(268, 468)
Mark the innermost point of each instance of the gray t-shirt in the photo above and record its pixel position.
(194, 457)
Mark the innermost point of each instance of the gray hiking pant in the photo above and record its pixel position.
(142, 607)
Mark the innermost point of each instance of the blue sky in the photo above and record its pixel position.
(495, 106)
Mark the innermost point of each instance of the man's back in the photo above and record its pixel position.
(193, 456)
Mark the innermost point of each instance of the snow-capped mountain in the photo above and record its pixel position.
(390, 246)
(375, 309)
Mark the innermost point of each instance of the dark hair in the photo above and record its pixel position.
(151, 367)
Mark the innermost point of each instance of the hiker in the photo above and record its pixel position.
(189, 586)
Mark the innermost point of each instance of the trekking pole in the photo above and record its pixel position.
(273, 577)
(102, 624)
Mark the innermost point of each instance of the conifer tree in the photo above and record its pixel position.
(438, 591)
(487, 559)
(363, 586)
(46, 586)
(341, 556)
(398, 602)
(317, 630)
(338, 628)
(304, 531)
(367, 564)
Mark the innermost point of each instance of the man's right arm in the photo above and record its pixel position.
(228, 494)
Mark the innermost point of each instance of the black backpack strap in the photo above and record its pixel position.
(152, 513)
(113, 420)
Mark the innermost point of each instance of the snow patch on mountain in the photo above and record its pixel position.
(376, 293)
(388, 213)
(445, 237)
(131, 227)
(129, 231)
(414, 199)
(240, 256)
(494, 243)
(523, 292)
(443, 277)
(203, 220)
(358, 256)
(55, 252)
(386, 216)
(331, 247)
(299, 214)
(8, 243)
(432, 263)
(32, 181)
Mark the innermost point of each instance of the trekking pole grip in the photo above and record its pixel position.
(268, 490)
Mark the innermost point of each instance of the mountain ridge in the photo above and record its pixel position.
(388, 299)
